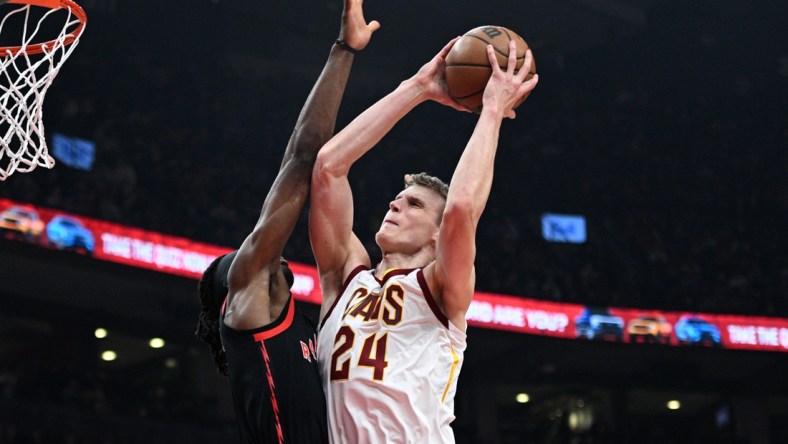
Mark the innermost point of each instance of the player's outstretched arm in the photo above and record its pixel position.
(315, 125)
(337, 250)
(317, 120)
(453, 274)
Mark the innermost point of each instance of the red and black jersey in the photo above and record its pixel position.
(276, 387)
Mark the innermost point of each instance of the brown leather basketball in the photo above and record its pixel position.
(468, 68)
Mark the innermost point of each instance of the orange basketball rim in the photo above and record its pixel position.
(24, 80)
(37, 48)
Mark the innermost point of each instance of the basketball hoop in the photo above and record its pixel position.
(50, 30)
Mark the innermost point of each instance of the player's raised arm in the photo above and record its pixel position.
(336, 248)
(315, 125)
(470, 187)
(317, 120)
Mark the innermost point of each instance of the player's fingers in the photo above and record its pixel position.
(459, 107)
(373, 26)
(512, 57)
(453, 104)
(351, 4)
(493, 60)
(445, 51)
(448, 101)
(526, 68)
(526, 88)
(529, 84)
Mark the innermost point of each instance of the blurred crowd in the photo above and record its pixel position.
(678, 169)
(157, 404)
(677, 160)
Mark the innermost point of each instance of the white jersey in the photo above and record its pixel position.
(389, 360)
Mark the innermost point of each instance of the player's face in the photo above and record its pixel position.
(411, 221)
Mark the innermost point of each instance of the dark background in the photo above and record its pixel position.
(664, 123)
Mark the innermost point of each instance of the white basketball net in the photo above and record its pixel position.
(24, 80)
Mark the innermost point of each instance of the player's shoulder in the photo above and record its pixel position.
(430, 276)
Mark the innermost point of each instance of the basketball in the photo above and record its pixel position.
(468, 67)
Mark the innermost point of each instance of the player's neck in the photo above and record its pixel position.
(392, 261)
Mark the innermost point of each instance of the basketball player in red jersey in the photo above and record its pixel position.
(257, 335)
(391, 337)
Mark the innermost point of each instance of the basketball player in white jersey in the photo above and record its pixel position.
(392, 337)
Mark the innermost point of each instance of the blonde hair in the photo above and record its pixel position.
(428, 181)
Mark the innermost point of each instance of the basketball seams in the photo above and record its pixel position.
(506, 31)
(468, 67)
(468, 95)
(487, 42)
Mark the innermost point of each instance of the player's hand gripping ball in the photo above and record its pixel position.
(468, 67)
